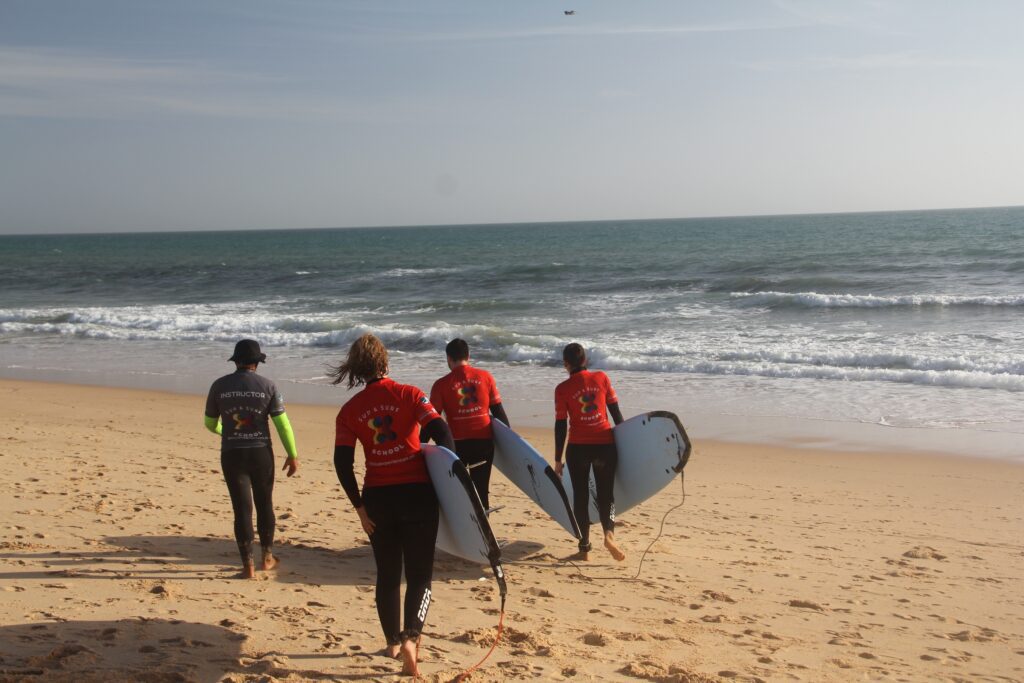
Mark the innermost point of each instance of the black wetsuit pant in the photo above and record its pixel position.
(405, 518)
(249, 473)
(478, 454)
(604, 458)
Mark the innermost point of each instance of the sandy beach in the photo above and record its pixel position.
(116, 564)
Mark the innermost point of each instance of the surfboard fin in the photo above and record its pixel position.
(494, 509)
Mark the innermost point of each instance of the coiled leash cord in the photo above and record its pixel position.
(635, 577)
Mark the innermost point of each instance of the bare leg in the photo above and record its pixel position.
(609, 543)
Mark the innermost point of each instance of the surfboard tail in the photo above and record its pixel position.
(493, 548)
(685, 447)
(550, 474)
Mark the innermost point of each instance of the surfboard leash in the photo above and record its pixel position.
(499, 576)
(682, 481)
(643, 556)
(498, 637)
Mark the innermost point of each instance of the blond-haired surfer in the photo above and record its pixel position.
(398, 508)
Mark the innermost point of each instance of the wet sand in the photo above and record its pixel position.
(117, 557)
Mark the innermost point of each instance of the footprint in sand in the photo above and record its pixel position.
(923, 552)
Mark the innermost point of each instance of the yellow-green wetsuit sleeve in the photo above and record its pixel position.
(284, 430)
(212, 423)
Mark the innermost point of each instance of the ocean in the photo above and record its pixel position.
(849, 330)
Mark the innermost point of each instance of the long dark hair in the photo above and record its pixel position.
(575, 356)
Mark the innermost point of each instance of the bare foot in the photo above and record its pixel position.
(248, 572)
(270, 561)
(409, 651)
(579, 556)
(393, 651)
(609, 543)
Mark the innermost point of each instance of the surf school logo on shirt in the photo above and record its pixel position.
(467, 395)
(242, 422)
(381, 426)
(587, 403)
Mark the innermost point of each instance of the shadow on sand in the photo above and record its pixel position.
(156, 651)
(183, 558)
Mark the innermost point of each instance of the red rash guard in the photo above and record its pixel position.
(386, 418)
(584, 400)
(465, 396)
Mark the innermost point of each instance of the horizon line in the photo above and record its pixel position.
(411, 226)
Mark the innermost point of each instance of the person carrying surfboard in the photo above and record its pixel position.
(398, 508)
(468, 397)
(582, 404)
(239, 407)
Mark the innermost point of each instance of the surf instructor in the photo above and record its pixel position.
(468, 397)
(582, 404)
(397, 508)
(239, 408)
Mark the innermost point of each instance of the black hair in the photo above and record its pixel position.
(575, 356)
(457, 350)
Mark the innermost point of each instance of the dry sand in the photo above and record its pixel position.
(783, 564)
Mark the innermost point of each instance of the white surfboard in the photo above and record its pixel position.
(653, 449)
(530, 472)
(463, 529)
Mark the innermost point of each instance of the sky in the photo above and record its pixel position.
(135, 115)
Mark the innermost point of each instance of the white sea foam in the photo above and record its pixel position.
(856, 353)
(816, 300)
(405, 272)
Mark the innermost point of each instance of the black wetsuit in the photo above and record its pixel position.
(604, 458)
(245, 401)
(405, 518)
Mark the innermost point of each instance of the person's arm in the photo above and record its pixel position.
(498, 411)
(344, 459)
(613, 410)
(212, 423)
(284, 430)
(436, 400)
(437, 429)
(561, 431)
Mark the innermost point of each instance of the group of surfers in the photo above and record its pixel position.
(397, 506)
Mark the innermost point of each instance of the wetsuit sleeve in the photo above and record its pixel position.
(344, 458)
(498, 411)
(212, 423)
(561, 431)
(495, 397)
(436, 400)
(284, 430)
(212, 410)
(437, 429)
